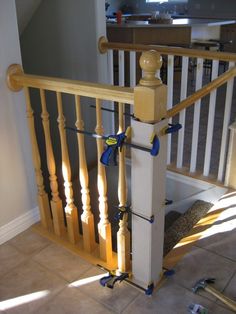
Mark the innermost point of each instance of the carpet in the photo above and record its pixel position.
(177, 226)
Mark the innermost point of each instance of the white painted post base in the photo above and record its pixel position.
(230, 176)
(148, 180)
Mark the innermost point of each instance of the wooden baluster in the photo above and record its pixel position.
(87, 216)
(43, 202)
(123, 235)
(56, 203)
(70, 209)
(104, 227)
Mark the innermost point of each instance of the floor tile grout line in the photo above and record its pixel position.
(133, 301)
(94, 299)
(79, 277)
(212, 302)
(234, 274)
(57, 274)
(209, 250)
(51, 299)
(12, 268)
(29, 257)
(222, 306)
(106, 305)
(28, 254)
(190, 290)
(56, 293)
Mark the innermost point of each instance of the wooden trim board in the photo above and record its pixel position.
(78, 249)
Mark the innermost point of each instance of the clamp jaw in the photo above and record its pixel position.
(110, 280)
(109, 156)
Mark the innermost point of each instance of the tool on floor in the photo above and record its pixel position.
(127, 209)
(204, 284)
(197, 309)
(117, 141)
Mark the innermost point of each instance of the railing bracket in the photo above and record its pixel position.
(102, 40)
(12, 70)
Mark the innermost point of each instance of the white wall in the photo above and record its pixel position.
(25, 10)
(61, 40)
(17, 188)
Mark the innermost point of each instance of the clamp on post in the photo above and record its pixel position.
(127, 209)
(115, 142)
(154, 140)
(110, 280)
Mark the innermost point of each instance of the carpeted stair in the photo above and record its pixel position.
(177, 225)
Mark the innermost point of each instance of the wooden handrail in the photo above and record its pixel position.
(87, 89)
(103, 45)
(223, 78)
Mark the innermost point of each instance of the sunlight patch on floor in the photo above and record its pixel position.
(14, 302)
(85, 281)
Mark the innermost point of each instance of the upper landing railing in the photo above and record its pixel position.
(190, 75)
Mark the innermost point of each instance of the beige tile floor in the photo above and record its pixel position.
(38, 276)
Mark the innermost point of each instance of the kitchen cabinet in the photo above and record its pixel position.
(228, 33)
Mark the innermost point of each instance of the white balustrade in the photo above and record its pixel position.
(170, 83)
(211, 119)
(196, 117)
(228, 104)
(183, 95)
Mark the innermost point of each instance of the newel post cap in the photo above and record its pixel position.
(150, 62)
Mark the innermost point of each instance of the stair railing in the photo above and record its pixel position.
(185, 72)
(62, 224)
(149, 100)
(52, 212)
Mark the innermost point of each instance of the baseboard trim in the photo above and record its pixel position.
(19, 225)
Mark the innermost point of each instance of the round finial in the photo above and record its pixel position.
(101, 42)
(150, 62)
(11, 83)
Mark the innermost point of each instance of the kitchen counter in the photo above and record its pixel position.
(179, 22)
(182, 32)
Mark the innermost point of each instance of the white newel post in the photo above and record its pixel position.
(230, 175)
(148, 173)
